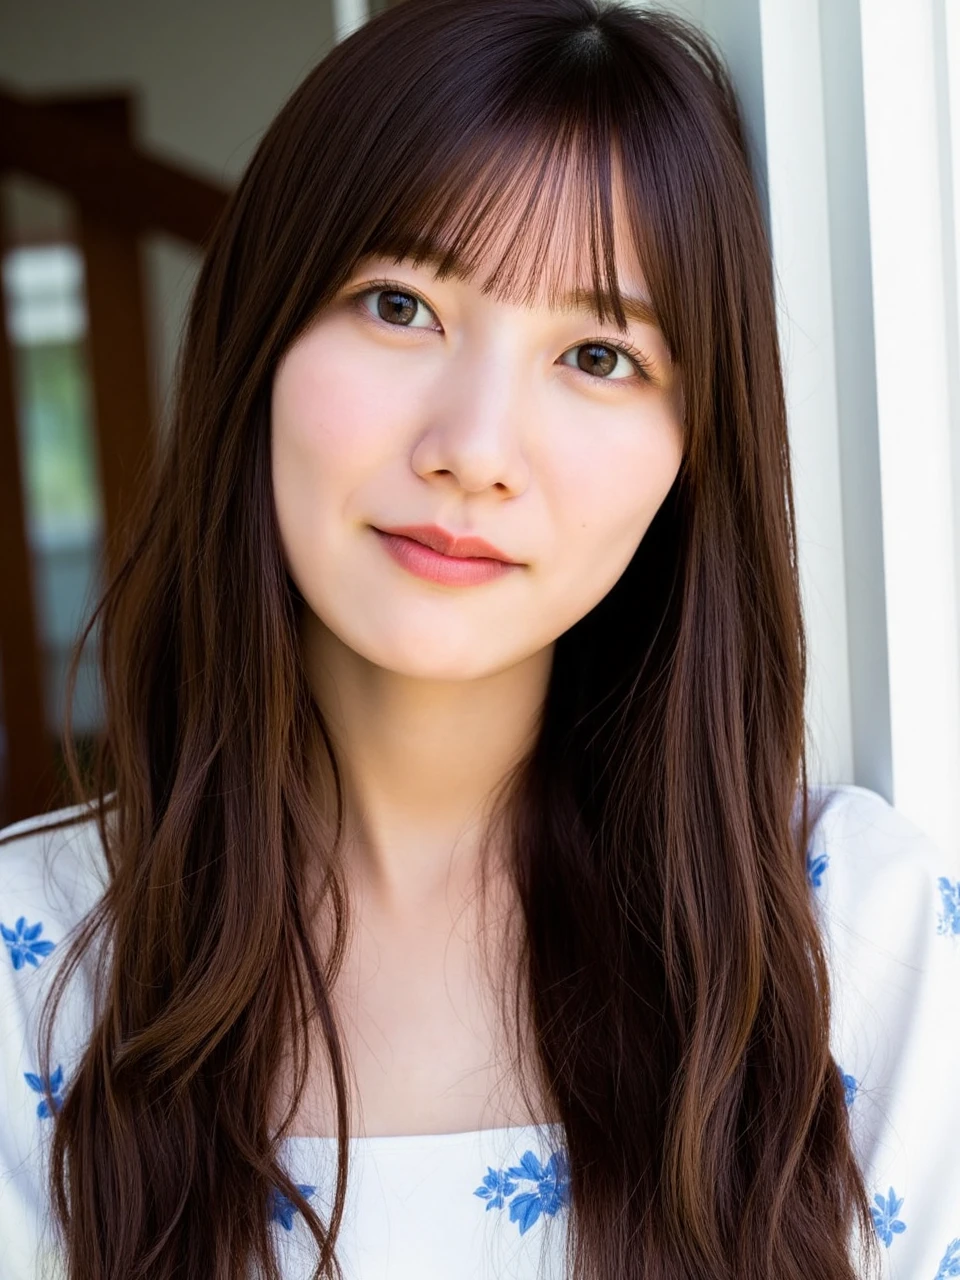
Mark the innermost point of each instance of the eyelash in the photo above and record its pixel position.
(642, 364)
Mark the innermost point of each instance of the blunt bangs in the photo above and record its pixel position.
(526, 184)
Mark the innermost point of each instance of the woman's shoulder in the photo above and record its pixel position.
(888, 901)
(52, 870)
(867, 861)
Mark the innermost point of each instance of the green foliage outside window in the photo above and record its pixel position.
(61, 485)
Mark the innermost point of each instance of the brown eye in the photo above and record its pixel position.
(595, 358)
(599, 359)
(399, 307)
(392, 305)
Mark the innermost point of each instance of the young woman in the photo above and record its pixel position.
(450, 901)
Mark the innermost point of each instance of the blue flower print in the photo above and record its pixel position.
(850, 1087)
(553, 1188)
(948, 920)
(885, 1217)
(550, 1193)
(950, 1262)
(816, 866)
(36, 1083)
(280, 1208)
(24, 944)
(496, 1185)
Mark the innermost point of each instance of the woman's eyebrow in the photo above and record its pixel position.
(636, 307)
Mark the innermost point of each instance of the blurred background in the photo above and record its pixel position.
(123, 127)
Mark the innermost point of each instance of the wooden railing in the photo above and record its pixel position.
(85, 149)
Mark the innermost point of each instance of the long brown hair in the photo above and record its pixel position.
(672, 964)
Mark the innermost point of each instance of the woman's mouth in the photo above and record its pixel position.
(454, 571)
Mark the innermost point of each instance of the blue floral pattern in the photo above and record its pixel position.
(850, 1086)
(948, 920)
(280, 1208)
(885, 1216)
(497, 1185)
(551, 1190)
(532, 1190)
(36, 1083)
(816, 866)
(950, 1262)
(24, 942)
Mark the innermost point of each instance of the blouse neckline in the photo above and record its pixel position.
(404, 1141)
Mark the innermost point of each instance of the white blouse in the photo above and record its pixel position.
(492, 1204)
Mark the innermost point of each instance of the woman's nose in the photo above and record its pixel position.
(479, 423)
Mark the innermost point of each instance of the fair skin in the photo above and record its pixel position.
(473, 414)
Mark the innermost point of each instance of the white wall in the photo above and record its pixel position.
(773, 50)
(914, 279)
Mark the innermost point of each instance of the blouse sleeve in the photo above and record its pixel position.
(47, 882)
(889, 904)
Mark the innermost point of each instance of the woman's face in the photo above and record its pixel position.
(431, 403)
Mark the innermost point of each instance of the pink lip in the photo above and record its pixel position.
(463, 547)
(435, 565)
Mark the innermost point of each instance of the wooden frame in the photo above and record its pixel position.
(84, 148)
